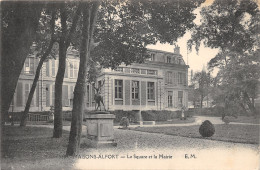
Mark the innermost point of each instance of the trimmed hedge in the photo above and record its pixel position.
(163, 115)
(131, 115)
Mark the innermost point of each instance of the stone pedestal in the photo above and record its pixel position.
(100, 131)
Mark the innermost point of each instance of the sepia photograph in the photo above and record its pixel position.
(130, 84)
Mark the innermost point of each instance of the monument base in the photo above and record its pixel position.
(100, 130)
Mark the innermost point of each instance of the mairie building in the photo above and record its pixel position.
(160, 83)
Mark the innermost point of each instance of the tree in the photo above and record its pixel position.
(232, 26)
(64, 42)
(193, 95)
(89, 20)
(203, 80)
(122, 31)
(45, 47)
(19, 25)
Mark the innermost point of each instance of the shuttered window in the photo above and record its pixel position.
(37, 96)
(180, 98)
(48, 95)
(47, 68)
(150, 90)
(71, 95)
(53, 94)
(53, 68)
(66, 70)
(65, 96)
(19, 95)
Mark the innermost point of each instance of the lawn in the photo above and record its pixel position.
(230, 133)
(247, 119)
(27, 145)
(177, 121)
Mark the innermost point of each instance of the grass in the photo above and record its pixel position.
(230, 133)
(34, 142)
(247, 119)
(177, 121)
(23, 147)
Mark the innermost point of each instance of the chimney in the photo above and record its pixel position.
(177, 50)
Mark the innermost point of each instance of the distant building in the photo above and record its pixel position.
(158, 84)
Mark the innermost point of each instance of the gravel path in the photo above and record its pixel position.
(173, 152)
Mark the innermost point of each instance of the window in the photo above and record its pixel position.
(47, 68)
(135, 89)
(26, 94)
(53, 95)
(47, 95)
(74, 68)
(180, 98)
(169, 77)
(119, 89)
(29, 66)
(169, 59)
(152, 57)
(53, 70)
(170, 94)
(19, 95)
(65, 95)
(71, 95)
(150, 90)
(66, 70)
(88, 93)
(182, 78)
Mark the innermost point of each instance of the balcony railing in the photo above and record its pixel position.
(136, 71)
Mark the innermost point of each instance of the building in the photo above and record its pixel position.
(43, 97)
(158, 84)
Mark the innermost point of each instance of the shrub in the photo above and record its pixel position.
(124, 122)
(120, 114)
(207, 129)
(228, 119)
(157, 115)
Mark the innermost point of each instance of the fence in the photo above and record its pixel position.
(38, 117)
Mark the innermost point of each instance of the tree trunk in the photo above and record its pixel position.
(201, 101)
(17, 39)
(89, 19)
(36, 78)
(63, 46)
(250, 104)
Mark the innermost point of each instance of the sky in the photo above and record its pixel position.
(195, 61)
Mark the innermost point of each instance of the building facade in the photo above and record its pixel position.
(158, 84)
(43, 97)
(161, 83)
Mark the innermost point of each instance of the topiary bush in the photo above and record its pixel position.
(207, 129)
(124, 122)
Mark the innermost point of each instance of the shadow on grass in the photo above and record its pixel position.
(32, 143)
